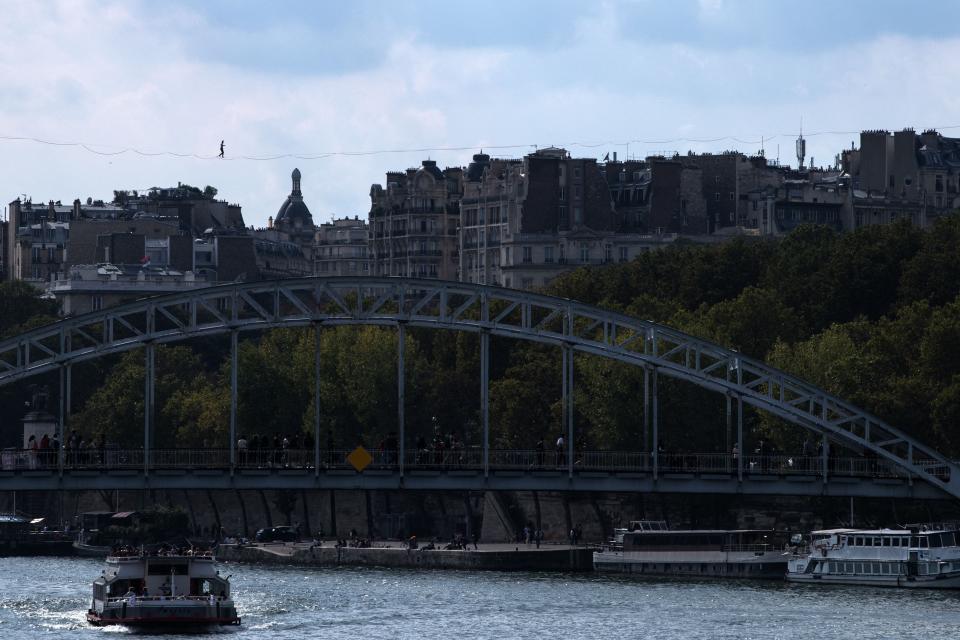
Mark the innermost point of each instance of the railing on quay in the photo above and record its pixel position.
(528, 460)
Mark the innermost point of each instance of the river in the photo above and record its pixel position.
(48, 598)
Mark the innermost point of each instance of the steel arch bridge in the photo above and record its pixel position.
(486, 310)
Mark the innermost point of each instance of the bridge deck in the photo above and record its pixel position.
(459, 471)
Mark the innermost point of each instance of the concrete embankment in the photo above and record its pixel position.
(490, 557)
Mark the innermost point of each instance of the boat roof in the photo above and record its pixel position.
(873, 532)
(672, 531)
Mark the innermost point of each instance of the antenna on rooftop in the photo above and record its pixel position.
(801, 146)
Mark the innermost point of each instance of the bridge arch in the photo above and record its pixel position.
(487, 310)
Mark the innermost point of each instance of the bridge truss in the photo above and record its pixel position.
(486, 310)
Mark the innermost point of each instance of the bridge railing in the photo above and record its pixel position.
(20, 460)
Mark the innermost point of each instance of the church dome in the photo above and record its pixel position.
(293, 208)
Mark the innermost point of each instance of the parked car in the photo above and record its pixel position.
(277, 534)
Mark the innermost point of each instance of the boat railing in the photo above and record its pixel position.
(121, 599)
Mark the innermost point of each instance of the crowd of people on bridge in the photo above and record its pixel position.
(77, 451)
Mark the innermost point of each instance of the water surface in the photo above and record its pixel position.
(48, 598)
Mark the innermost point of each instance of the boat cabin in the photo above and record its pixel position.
(160, 577)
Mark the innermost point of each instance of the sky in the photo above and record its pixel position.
(346, 91)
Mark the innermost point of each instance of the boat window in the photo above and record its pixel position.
(876, 567)
(934, 540)
(886, 542)
(876, 542)
(857, 541)
(914, 541)
(868, 542)
(924, 542)
(904, 541)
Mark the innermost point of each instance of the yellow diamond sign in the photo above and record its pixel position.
(360, 458)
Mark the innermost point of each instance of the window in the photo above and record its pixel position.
(623, 254)
(576, 172)
(578, 215)
(548, 254)
(563, 194)
(731, 196)
(636, 176)
(716, 180)
(584, 254)
(527, 255)
(938, 185)
(608, 253)
(577, 191)
(481, 215)
(716, 196)
(96, 303)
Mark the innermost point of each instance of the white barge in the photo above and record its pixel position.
(168, 590)
(920, 556)
(650, 548)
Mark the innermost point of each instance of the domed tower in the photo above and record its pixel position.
(294, 217)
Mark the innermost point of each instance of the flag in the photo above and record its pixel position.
(145, 261)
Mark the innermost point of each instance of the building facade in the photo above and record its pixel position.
(341, 248)
(525, 221)
(414, 222)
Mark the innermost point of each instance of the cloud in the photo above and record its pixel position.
(129, 75)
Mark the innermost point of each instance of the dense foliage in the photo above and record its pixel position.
(872, 316)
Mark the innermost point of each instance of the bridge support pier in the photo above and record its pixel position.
(316, 399)
(646, 408)
(655, 450)
(401, 350)
(234, 373)
(567, 392)
(740, 447)
(64, 390)
(729, 433)
(148, 405)
(485, 398)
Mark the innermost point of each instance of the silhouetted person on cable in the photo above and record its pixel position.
(221, 148)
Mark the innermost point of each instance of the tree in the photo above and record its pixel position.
(23, 307)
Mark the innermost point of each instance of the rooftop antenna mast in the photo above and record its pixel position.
(801, 147)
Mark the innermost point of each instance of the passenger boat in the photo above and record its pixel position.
(170, 589)
(650, 548)
(922, 556)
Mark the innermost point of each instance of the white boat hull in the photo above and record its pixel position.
(940, 581)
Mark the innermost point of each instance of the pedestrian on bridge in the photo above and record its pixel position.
(560, 446)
